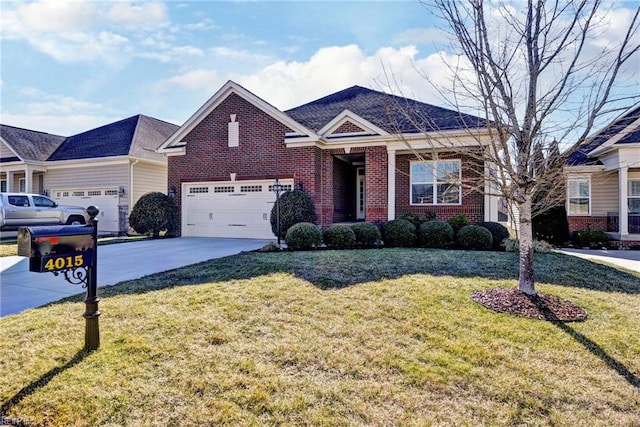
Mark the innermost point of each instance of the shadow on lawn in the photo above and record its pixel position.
(588, 343)
(39, 383)
(338, 269)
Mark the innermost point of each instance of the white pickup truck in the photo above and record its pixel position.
(21, 209)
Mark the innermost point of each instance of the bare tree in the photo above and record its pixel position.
(535, 74)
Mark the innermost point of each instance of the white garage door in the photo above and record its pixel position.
(239, 209)
(106, 199)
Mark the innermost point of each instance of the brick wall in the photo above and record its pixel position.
(261, 154)
(376, 184)
(472, 200)
(595, 223)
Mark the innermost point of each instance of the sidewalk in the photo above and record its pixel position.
(629, 259)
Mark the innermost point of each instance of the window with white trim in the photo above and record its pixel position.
(633, 196)
(579, 196)
(22, 185)
(435, 183)
(3, 185)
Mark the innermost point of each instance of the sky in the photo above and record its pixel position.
(71, 66)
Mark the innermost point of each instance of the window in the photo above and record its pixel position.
(634, 196)
(3, 185)
(22, 185)
(579, 196)
(435, 183)
(43, 202)
(22, 201)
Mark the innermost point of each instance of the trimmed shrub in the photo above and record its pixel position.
(339, 236)
(435, 234)
(154, 213)
(367, 234)
(303, 235)
(498, 231)
(474, 237)
(457, 222)
(551, 226)
(412, 218)
(590, 238)
(295, 206)
(399, 233)
(430, 215)
(539, 246)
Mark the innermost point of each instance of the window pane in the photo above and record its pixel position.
(579, 206)
(634, 205)
(422, 194)
(421, 172)
(43, 202)
(578, 188)
(448, 193)
(448, 171)
(634, 188)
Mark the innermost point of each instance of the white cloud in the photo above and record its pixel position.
(199, 79)
(145, 15)
(421, 36)
(49, 16)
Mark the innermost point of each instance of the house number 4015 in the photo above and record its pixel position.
(63, 262)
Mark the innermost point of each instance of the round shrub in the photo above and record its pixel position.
(474, 237)
(498, 231)
(457, 222)
(303, 235)
(367, 234)
(412, 218)
(435, 234)
(339, 236)
(295, 206)
(153, 214)
(399, 233)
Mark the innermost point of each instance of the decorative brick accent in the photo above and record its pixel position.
(347, 127)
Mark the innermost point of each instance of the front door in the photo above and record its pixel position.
(360, 193)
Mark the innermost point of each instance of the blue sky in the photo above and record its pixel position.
(70, 66)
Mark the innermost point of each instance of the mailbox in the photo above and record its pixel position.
(56, 248)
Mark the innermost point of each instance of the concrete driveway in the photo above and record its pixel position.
(21, 289)
(629, 259)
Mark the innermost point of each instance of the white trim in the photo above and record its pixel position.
(391, 185)
(435, 182)
(224, 92)
(349, 116)
(568, 207)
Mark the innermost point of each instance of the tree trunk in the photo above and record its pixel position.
(527, 281)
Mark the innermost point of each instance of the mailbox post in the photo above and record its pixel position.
(73, 251)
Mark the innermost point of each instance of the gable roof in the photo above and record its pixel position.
(29, 145)
(176, 140)
(135, 136)
(623, 130)
(391, 113)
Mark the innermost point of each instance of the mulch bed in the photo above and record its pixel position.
(540, 306)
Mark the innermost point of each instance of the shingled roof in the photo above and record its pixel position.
(581, 156)
(137, 136)
(389, 112)
(29, 145)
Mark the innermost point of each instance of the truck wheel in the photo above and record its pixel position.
(75, 220)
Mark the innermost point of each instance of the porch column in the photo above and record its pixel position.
(28, 180)
(623, 188)
(391, 184)
(490, 197)
(10, 178)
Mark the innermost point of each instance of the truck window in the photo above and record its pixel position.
(43, 202)
(22, 201)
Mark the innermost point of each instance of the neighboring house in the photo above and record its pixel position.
(109, 167)
(353, 152)
(603, 181)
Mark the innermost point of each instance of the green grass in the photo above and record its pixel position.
(378, 337)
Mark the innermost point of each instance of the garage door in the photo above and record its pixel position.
(106, 199)
(239, 209)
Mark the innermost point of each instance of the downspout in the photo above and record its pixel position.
(131, 185)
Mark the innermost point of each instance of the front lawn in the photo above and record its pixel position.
(377, 337)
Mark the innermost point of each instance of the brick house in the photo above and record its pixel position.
(603, 181)
(360, 154)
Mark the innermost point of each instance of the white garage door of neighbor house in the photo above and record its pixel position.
(239, 209)
(106, 199)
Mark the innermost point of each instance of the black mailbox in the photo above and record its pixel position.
(56, 248)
